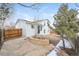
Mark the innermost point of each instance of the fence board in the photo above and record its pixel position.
(12, 33)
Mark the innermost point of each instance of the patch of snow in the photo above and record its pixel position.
(57, 48)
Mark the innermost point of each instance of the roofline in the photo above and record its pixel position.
(30, 22)
(21, 20)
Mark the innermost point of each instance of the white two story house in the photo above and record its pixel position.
(32, 28)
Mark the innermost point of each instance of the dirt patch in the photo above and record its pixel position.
(66, 52)
(52, 37)
(62, 53)
(43, 42)
(69, 51)
(42, 52)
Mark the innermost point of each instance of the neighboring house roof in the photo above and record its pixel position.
(31, 22)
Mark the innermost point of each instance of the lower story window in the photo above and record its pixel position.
(44, 30)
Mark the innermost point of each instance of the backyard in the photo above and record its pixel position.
(27, 46)
(39, 29)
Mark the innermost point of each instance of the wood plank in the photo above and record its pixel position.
(12, 33)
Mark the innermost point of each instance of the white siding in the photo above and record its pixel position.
(44, 27)
(28, 31)
(21, 24)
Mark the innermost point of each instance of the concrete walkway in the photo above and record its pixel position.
(21, 47)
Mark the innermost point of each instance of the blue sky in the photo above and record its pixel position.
(46, 11)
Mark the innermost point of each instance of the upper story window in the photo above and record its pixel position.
(32, 26)
(40, 27)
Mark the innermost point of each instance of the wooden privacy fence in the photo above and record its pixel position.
(12, 33)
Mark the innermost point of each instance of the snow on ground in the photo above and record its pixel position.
(57, 48)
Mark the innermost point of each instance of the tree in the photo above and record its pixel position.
(66, 23)
(4, 14)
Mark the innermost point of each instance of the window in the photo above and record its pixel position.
(41, 27)
(44, 31)
(32, 26)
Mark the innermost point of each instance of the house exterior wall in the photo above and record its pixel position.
(28, 30)
(45, 28)
(21, 24)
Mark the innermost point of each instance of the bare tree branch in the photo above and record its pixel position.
(25, 5)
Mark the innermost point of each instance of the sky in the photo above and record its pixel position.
(44, 11)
